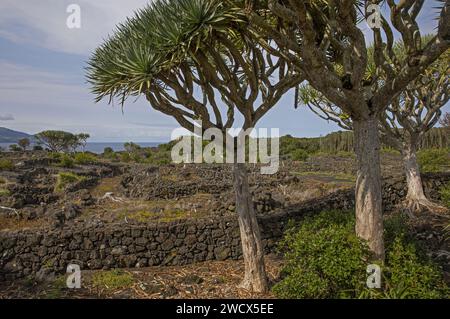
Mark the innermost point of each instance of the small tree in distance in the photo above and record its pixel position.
(60, 141)
(24, 143)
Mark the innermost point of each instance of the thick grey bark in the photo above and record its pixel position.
(413, 179)
(369, 214)
(255, 278)
(416, 200)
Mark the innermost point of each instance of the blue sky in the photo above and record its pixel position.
(42, 84)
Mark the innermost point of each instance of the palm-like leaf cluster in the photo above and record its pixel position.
(164, 34)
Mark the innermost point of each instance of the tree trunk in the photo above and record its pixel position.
(416, 201)
(369, 213)
(255, 278)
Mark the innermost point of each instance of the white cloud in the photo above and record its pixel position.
(47, 21)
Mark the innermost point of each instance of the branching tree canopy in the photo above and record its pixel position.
(60, 141)
(413, 113)
(405, 122)
(324, 39)
(198, 61)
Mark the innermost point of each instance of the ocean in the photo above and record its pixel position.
(98, 147)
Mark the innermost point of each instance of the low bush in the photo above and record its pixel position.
(324, 259)
(6, 164)
(66, 161)
(85, 158)
(433, 159)
(299, 155)
(125, 157)
(66, 178)
(15, 148)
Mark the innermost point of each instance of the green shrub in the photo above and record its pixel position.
(66, 178)
(433, 159)
(38, 148)
(411, 270)
(85, 158)
(6, 164)
(4, 192)
(15, 148)
(66, 161)
(445, 194)
(299, 155)
(324, 258)
(125, 157)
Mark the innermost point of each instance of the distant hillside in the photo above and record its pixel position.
(10, 136)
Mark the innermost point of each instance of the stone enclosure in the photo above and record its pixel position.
(104, 245)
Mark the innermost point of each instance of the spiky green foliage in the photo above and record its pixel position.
(158, 38)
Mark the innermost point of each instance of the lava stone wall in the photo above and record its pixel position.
(105, 246)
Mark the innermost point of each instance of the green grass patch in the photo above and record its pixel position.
(56, 288)
(340, 176)
(66, 178)
(113, 279)
(433, 159)
(4, 192)
(145, 216)
(445, 194)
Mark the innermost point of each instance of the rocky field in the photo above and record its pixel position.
(175, 223)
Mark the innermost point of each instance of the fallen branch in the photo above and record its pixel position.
(10, 209)
(111, 197)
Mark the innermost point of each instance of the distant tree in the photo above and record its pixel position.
(82, 140)
(108, 150)
(60, 141)
(24, 143)
(131, 147)
(407, 120)
(15, 148)
(445, 122)
(38, 148)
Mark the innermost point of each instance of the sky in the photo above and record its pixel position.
(43, 85)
